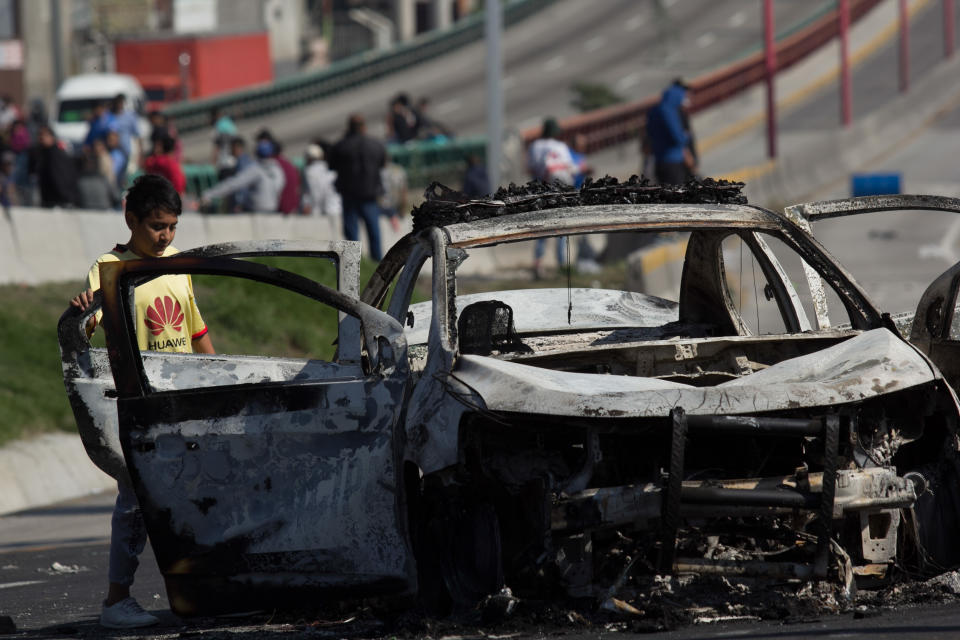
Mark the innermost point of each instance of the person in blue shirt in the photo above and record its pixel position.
(100, 123)
(669, 138)
(126, 125)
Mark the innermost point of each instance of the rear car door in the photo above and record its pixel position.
(264, 480)
(936, 324)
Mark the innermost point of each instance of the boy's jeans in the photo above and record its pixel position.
(128, 536)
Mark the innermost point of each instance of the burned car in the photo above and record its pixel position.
(517, 437)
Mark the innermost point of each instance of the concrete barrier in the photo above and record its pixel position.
(47, 469)
(59, 245)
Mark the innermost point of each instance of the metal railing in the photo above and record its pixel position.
(342, 75)
(619, 123)
(424, 161)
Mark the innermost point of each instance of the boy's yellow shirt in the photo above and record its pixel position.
(167, 315)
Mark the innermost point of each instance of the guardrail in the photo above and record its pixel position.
(350, 72)
(424, 161)
(620, 123)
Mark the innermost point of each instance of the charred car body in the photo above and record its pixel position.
(514, 437)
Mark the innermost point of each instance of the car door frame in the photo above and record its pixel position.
(86, 369)
(210, 567)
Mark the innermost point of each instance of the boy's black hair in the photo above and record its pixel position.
(151, 192)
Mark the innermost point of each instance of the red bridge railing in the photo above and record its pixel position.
(619, 123)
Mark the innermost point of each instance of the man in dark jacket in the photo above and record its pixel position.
(55, 170)
(358, 159)
(669, 138)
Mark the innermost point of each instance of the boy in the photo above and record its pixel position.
(152, 210)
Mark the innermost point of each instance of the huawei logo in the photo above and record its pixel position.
(163, 313)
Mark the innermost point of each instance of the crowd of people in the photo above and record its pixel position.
(38, 169)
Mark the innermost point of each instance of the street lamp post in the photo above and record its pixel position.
(494, 26)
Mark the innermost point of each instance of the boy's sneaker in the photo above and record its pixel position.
(126, 614)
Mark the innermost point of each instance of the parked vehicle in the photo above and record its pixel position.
(78, 95)
(514, 437)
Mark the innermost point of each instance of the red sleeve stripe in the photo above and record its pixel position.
(199, 334)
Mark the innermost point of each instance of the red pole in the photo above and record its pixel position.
(904, 47)
(846, 94)
(948, 28)
(770, 57)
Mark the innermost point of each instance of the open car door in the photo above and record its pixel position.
(264, 480)
(804, 214)
(936, 324)
(86, 369)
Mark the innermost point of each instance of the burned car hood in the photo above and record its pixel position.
(849, 371)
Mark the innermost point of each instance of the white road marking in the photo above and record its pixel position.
(10, 585)
(737, 19)
(554, 64)
(593, 44)
(946, 250)
(628, 81)
(634, 23)
(706, 40)
(449, 106)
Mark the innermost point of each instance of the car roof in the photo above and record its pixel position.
(98, 84)
(611, 218)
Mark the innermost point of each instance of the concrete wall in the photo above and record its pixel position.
(57, 245)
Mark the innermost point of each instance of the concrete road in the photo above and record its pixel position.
(634, 47)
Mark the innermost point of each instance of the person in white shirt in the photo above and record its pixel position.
(549, 160)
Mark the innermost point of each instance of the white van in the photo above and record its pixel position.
(78, 95)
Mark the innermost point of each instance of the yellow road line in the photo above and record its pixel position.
(868, 49)
(659, 256)
(746, 174)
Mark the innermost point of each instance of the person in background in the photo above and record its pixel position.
(393, 200)
(357, 159)
(118, 156)
(100, 123)
(20, 144)
(224, 130)
(263, 178)
(320, 197)
(586, 256)
(55, 170)
(240, 200)
(127, 127)
(163, 161)
(152, 212)
(290, 195)
(105, 163)
(402, 121)
(476, 182)
(8, 192)
(426, 127)
(93, 188)
(549, 160)
(161, 125)
(9, 112)
(669, 141)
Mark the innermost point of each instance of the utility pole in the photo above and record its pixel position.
(904, 47)
(846, 93)
(948, 29)
(55, 46)
(770, 67)
(494, 28)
